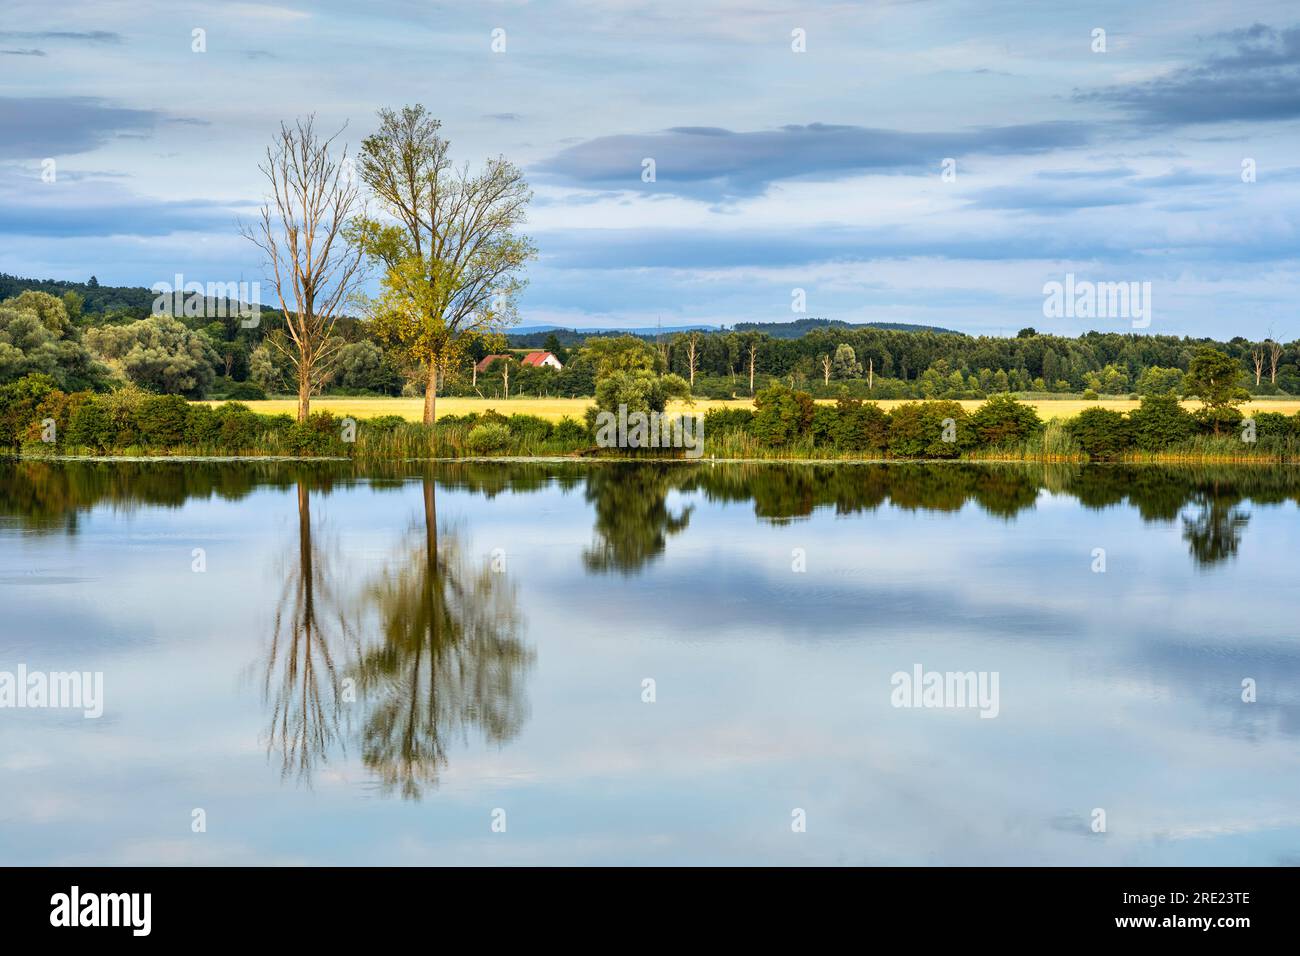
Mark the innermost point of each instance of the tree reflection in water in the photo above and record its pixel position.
(450, 661)
(301, 684)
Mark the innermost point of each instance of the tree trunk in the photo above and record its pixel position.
(304, 392)
(871, 373)
(431, 393)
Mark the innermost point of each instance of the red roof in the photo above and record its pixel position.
(537, 358)
(488, 360)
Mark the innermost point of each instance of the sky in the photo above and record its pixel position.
(931, 161)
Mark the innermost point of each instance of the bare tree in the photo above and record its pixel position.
(871, 374)
(826, 369)
(753, 359)
(1257, 355)
(313, 268)
(692, 355)
(1274, 356)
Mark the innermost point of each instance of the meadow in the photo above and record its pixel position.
(553, 409)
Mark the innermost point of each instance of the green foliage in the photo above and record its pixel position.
(860, 425)
(1160, 421)
(641, 390)
(158, 353)
(1101, 432)
(1155, 380)
(1003, 420)
(37, 337)
(939, 429)
(725, 421)
(160, 420)
(1215, 378)
(245, 392)
(569, 431)
(781, 415)
(622, 353)
(488, 437)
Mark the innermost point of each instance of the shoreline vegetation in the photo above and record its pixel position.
(37, 419)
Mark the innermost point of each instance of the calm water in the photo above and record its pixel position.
(340, 667)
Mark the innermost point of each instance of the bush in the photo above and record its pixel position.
(860, 425)
(1002, 420)
(569, 431)
(245, 392)
(488, 437)
(320, 434)
(825, 424)
(919, 430)
(18, 402)
(530, 428)
(782, 415)
(1100, 432)
(1160, 421)
(1089, 395)
(383, 424)
(726, 421)
(160, 420)
(1274, 425)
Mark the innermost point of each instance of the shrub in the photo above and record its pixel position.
(1274, 425)
(18, 402)
(202, 427)
(160, 420)
(825, 422)
(569, 431)
(383, 424)
(781, 415)
(1100, 432)
(1089, 395)
(919, 430)
(320, 434)
(1160, 421)
(1003, 420)
(530, 428)
(726, 421)
(488, 437)
(245, 392)
(861, 425)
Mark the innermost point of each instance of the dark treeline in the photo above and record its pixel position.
(826, 358)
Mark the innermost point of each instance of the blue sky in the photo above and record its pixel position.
(775, 170)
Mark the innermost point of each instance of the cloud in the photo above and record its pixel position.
(92, 36)
(715, 163)
(22, 53)
(36, 127)
(1258, 81)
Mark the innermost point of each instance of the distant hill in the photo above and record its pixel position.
(534, 336)
(801, 327)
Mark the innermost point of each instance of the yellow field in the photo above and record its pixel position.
(556, 408)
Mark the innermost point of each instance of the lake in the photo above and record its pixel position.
(610, 663)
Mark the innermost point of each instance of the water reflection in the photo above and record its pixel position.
(312, 629)
(450, 659)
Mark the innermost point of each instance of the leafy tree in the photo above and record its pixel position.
(1101, 432)
(930, 430)
(363, 366)
(159, 354)
(1160, 421)
(845, 364)
(625, 353)
(1156, 380)
(781, 415)
(37, 337)
(454, 258)
(1002, 420)
(640, 391)
(1215, 378)
(860, 425)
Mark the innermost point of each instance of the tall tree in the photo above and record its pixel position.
(1215, 378)
(313, 268)
(451, 255)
